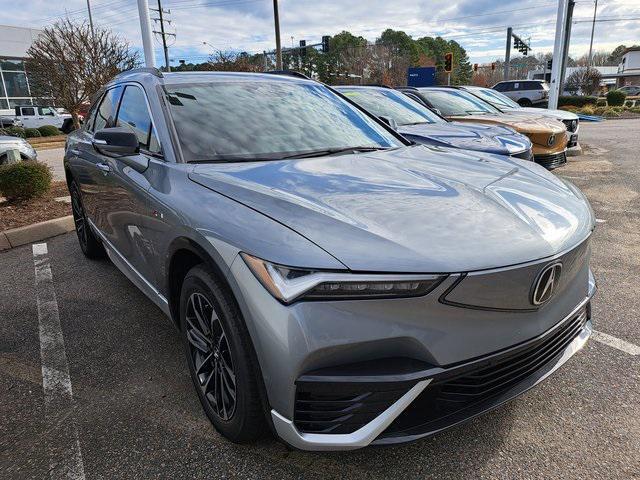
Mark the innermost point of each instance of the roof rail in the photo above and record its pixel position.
(289, 73)
(152, 70)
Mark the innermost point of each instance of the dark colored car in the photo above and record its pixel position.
(420, 124)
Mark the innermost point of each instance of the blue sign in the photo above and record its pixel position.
(421, 76)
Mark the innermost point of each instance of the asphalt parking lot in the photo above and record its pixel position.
(131, 412)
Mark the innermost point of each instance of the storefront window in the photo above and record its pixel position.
(14, 102)
(3, 104)
(8, 64)
(16, 84)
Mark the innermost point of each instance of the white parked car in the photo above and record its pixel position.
(7, 143)
(34, 116)
(525, 92)
(506, 104)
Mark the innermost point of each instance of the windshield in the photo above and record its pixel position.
(265, 120)
(496, 99)
(456, 102)
(392, 104)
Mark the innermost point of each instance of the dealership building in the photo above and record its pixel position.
(14, 81)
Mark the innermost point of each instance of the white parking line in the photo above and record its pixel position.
(65, 457)
(614, 342)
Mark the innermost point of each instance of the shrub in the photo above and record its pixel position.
(600, 110)
(601, 102)
(32, 132)
(616, 98)
(569, 108)
(48, 130)
(24, 180)
(635, 109)
(588, 110)
(16, 131)
(577, 100)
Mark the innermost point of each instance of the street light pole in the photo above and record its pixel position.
(507, 55)
(593, 27)
(90, 18)
(164, 38)
(276, 19)
(145, 28)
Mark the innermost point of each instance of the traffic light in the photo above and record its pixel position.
(549, 64)
(303, 48)
(493, 66)
(325, 43)
(475, 67)
(448, 62)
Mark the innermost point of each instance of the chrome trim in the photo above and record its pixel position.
(131, 272)
(362, 437)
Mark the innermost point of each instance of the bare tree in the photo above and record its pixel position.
(585, 80)
(68, 63)
(236, 62)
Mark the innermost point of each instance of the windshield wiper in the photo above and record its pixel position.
(332, 151)
(414, 123)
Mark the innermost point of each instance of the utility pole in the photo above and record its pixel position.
(567, 40)
(145, 28)
(162, 34)
(276, 20)
(507, 56)
(93, 34)
(593, 27)
(558, 50)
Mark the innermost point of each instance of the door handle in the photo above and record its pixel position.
(104, 167)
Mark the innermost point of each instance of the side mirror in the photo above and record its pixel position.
(116, 141)
(389, 121)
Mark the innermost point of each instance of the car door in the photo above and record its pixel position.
(123, 208)
(28, 117)
(90, 167)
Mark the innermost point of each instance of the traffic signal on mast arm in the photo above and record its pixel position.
(303, 48)
(448, 62)
(325, 43)
(475, 67)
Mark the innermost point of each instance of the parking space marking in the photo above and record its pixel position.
(617, 343)
(65, 457)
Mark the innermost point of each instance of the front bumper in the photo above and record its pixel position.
(401, 400)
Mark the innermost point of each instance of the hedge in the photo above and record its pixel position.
(615, 98)
(32, 132)
(577, 100)
(16, 131)
(48, 130)
(24, 180)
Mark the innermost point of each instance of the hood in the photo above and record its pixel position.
(527, 124)
(532, 112)
(413, 209)
(482, 138)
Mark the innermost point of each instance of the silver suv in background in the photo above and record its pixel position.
(525, 92)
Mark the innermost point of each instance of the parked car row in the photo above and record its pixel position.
(333, 281)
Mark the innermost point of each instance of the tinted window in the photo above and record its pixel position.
(28, 111)
(106, 114)
(134, 114)
(531, 86)
(267, 120)
(457, 102)
(500, 87)
(393, 104)
(46, 111)
(494, 98)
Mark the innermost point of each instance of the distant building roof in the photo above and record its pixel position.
(15, 41)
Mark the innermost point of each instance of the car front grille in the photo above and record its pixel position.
(449, 400)
(525, 155)
(551, 161)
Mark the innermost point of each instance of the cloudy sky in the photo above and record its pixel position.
(478, 25)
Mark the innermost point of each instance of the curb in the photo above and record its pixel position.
(35, 232)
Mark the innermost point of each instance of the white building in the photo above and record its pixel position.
(629, 67)
(14, 83)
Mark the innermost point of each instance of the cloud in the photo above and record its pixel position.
(478, 25)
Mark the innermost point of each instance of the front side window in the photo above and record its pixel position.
(457, 103)
(496, 99)
(106, 114)
(392, 104)
(46, 111)
(263, 120)
(134, 115)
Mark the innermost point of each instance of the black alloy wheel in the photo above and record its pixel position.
(89, 244)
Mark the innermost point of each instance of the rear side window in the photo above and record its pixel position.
(134, 115)
(29, 111)
(106, 114)
(532, 86)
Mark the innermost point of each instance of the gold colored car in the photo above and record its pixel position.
(548, 136)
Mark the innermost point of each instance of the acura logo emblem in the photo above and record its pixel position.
(552, 140)
(546, 283)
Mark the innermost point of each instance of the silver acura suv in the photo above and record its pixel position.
(330, 280)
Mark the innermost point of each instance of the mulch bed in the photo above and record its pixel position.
(19, 214)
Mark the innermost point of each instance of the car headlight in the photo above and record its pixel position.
(289, 284)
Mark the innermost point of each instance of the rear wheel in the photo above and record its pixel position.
(524, 102)
(90, 245)
(218, 350)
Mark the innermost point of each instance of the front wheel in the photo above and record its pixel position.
(525, 102)
(219, 357)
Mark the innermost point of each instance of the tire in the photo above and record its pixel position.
(89, 244)
(524, 102)
(220, 354)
